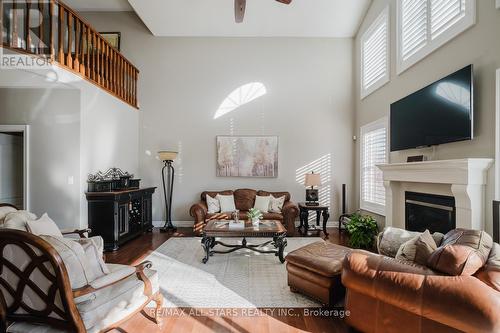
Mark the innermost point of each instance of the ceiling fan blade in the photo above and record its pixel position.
(239, 10)
(286, 2)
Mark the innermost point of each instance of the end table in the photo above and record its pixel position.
(304, 217)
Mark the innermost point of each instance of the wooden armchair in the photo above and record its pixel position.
(38, 294)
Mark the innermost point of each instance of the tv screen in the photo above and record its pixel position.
(439, 113)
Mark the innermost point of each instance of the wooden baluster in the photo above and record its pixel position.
(128, 82)
(106, 55)
(76, 62)
(69, 56)
(121, 77)
(27, 36)
(88, 47)
(15, 32)
(98, 51)
(51, 30)
(94, 55)
(40, 27)
(61, 37)
(113, 69)
(136, 90)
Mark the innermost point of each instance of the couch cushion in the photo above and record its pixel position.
(43, 226)
(462, 252)
(244, 198)
(275, 194)
(276, 204)
(322, 258)
(23, 327)
(262, 203)
(113, 303)
(213, 194)
(4, 210)
(213, 204)
(390, 240)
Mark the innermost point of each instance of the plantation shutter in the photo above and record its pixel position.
(444, 14)
(414, 26)
(373, 152)
(375, 55)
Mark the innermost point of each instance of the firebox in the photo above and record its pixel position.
(437, 213)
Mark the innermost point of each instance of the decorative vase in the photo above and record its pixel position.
(255, 222)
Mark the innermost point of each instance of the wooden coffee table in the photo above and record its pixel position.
(267, 229)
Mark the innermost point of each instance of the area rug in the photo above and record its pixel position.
(242, 279)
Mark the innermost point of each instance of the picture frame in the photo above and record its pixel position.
(113, 38)
(247, 156)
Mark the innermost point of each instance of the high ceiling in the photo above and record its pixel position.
(263, 18)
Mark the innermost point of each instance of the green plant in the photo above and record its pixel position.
(362, 230)
(254, 213)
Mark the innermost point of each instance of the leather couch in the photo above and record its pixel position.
(244, 199)
(389, 295)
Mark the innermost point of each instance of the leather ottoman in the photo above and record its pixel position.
(315, 270)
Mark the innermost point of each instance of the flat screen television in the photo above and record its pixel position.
(439, 113)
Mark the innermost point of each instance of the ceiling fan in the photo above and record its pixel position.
(240, 5)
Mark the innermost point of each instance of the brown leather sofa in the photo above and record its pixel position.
(244, 199)
(388, 295)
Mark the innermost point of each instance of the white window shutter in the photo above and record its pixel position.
(375, 55)
(426, 25)
(444, 14)
(373, 153)
(414, 26)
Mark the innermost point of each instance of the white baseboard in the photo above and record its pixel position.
(189, 224)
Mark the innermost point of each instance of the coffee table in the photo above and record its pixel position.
(267, 229)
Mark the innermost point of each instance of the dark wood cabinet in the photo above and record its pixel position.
(120, 216)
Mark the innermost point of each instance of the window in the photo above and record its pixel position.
(426, 25)
(375, 55)
(373, 152)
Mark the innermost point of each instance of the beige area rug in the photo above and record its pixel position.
(241, 279)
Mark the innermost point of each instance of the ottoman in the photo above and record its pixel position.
(315, 270)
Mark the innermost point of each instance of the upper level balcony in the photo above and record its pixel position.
(51, 30)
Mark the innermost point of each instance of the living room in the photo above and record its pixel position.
(336, 132)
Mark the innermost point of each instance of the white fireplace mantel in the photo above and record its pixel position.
(464, 179)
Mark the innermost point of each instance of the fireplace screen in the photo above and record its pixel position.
(428, 211)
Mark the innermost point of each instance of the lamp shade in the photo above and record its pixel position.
(167, 155)
(313, 179)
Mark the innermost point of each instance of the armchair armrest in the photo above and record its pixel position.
(290, 209)
(116, 277)
(199, 210)
(80, 232)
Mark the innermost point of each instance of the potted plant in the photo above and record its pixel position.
(255, 216)
(362, 231)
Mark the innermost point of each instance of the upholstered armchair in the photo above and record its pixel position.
(58, 284)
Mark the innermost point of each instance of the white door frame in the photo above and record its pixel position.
(497, 139)
(25, 130)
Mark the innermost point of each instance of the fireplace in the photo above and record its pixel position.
(428, 211)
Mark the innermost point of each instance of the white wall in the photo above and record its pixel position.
(54, 143)
(478, 46)
(183, 81)
(11, 169)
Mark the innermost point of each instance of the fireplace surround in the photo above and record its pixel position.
(437, 213)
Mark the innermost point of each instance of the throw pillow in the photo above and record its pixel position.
(43, 226)
(17, 220)
(276, 204)
(417, 249)
(213, 205)
(226, 203)
(262, 203)
(4, 211)
(462, 252)
(93, 254)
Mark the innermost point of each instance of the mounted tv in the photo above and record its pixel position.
(439, 113)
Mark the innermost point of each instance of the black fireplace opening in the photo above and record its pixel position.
(437, 213)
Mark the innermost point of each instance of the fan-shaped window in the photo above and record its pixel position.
(241, 96)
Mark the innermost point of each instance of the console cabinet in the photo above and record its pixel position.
(120, 216)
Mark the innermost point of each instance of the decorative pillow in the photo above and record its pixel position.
(226, 203)
(213, 205)
(390, 240)
(262, 203)
(417, 249)
(276, 204)
(4, 211)
(463, 252)
(93, 253)
(43, 226)
(18, 219)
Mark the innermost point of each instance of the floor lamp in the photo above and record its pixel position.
(168, 158)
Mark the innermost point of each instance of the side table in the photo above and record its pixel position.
(304, 217)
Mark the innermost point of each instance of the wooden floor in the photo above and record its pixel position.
(223, 320)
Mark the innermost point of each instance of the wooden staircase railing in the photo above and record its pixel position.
(65, 38)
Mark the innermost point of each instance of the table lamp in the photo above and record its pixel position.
(312, 197)
(168, 158)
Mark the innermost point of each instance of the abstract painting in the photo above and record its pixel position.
(247, 156)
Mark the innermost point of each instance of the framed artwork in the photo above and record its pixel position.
(112, 38)
(247, 156)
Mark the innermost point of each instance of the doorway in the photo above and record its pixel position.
(13, 165)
